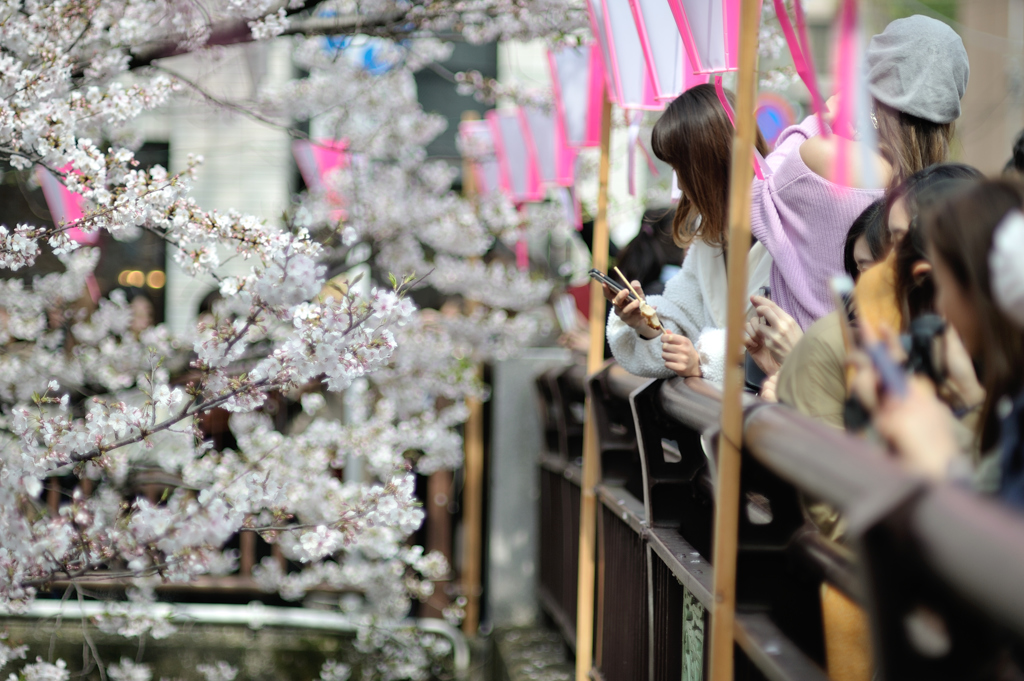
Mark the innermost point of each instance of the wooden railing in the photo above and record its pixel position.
(939, 571)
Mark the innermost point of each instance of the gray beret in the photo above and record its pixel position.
(918, 65)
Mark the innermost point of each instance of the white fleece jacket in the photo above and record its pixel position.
(695, 304)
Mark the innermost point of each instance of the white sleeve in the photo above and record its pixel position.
(680, 310)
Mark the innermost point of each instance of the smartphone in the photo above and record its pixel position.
(842, 294)
(600, 276)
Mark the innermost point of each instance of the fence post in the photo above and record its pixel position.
(727, 492)
(591, 457)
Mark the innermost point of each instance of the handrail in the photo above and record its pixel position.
(254, 615)
(820, 460)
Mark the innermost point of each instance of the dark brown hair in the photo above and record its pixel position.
(910, 143)
(694, 136)
(959, 231)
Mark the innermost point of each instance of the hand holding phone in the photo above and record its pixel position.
(603, 278)
(891, 377)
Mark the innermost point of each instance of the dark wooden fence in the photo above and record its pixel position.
(939, 571)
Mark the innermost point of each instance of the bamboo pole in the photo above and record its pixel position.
(473, 468)
(727, 493)
(591, 455)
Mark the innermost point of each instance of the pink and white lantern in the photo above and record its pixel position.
(667, 59)
(577, 79)
(517, 163)
(710, 30)
(629, 81)
(556, 161)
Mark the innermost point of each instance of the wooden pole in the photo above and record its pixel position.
(727, 493)
(591, 455)
(473, 468)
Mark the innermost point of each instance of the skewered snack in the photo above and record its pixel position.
(648, 312)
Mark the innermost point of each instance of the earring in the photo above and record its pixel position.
(874, 120)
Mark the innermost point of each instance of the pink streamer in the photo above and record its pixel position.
(847, 89)
(761, 169)
(800, 49)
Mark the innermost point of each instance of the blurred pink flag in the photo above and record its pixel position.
(316, 159)
(64, 205)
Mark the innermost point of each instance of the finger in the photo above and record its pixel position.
(639, 288)
(892, 342)
(621, 298)
(757, 301)
(609, 294)
(767, 311)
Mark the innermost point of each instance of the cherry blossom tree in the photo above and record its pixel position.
(84, 396)
(88, 397)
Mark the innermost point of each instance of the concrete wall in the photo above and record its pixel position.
(993, 108)
(516, 443)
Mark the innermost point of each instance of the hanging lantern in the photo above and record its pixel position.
(664, 52)
(477, 144)
(517, 165)
(711, 32)
(556, 161)
(577, 79)
(628, 79)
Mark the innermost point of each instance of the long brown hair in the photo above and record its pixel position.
(959, 231)
(694, 136)
(910, 143)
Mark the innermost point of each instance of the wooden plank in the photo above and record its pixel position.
(772, 652)
(727, 498)
(473, 471)
(591, 455)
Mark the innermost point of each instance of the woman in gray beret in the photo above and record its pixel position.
(917, 74)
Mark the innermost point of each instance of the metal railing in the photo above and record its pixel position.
(938, 571)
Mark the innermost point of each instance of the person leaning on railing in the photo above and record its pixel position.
(694, 136)
(917, 74)
(813, 380)
(976, 240)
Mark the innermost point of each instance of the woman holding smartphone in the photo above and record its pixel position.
(694, 136)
